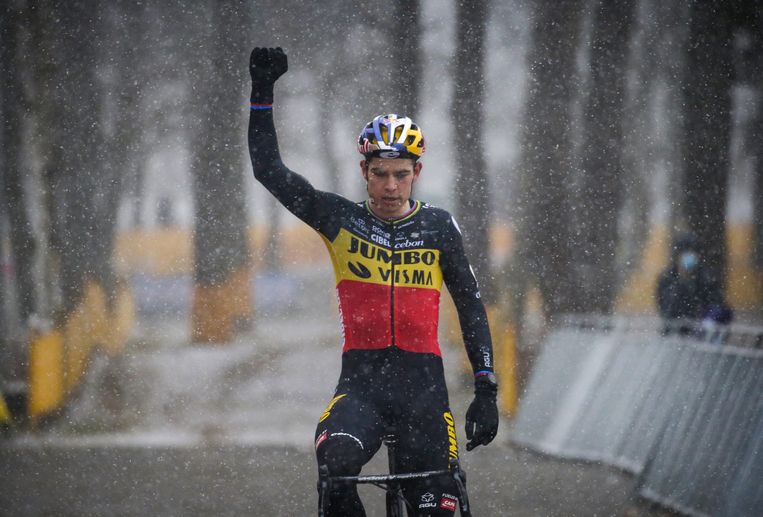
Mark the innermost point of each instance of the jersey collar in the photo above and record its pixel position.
(413, 211)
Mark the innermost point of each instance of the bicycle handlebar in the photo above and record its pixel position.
(390, 482)
(388, 477)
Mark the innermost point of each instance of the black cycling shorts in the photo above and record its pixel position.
(392, 387)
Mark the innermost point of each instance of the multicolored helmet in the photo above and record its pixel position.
(391, 136)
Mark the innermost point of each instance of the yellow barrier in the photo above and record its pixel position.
(121, 320)
(637, 295)
(84, 329)
(59, 359)
(46, 373)
(5, 415)
(504, 336)
(744, 284)
(162, 251)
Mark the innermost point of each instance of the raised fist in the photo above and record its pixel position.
(267, 64)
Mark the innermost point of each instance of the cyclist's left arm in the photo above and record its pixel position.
(463, 288)
(482, 415)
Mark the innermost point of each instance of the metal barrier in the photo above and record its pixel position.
(682, 412)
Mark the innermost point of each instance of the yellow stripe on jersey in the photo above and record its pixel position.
(363, 261)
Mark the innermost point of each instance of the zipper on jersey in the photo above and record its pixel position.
(392, 287)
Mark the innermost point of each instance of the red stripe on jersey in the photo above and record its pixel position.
(416, 313)
(365, 309)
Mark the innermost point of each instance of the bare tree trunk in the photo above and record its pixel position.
(756, 145)
(46, 131)
(471, 186)
(406, 60)
(126, 21)
(78, 174)
(13, 165)
(544, 235)
(119, 132)
(602, 158)
(75, 142)
(758, 196)
(755, 66)
(638, 149)
(707, 93)
(327, 106)
(667, 113)
(221, 260)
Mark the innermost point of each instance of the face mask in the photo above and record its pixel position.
(688, 260)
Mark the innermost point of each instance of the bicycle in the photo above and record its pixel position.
(392, 483)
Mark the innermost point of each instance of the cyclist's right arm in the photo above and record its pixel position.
(266, 65)
(291, 189)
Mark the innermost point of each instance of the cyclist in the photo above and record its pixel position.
(391, 255)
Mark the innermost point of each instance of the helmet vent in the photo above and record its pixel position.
(391, 135)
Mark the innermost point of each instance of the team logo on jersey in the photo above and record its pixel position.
(359, 269)
(405, 263)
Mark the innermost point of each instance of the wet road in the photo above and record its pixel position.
(269, 481)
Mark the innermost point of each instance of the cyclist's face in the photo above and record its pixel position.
(390, 181)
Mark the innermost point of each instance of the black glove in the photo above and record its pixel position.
(265, 66)
(482, 415)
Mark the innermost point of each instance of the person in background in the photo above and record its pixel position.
(690, 301)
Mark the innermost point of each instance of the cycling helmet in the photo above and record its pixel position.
(391, 136)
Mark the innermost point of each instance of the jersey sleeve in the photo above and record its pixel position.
(293, 191)
(463, 288)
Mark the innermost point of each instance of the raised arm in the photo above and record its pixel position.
(266, 65)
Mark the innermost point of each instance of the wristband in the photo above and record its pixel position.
(486, 376)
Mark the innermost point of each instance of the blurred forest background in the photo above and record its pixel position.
(571, 138)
